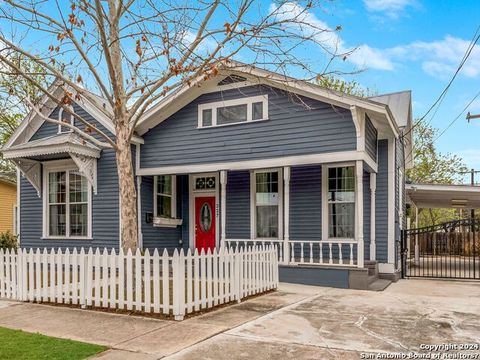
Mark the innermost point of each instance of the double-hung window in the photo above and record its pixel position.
(341, 202)
(164, 196)
(236, 111)
(267, 204)
(68, 204)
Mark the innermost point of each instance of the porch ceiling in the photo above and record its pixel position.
(443, 196)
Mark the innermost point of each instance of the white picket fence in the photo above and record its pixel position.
(175, 284)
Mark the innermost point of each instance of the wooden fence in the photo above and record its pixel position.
(176, 284)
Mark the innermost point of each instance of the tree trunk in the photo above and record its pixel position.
(128, 192)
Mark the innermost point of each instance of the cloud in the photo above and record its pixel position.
(367, 57)
(438, 58)
(392, 8)
(362, 56)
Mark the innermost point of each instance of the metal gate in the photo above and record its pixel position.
(449, 250)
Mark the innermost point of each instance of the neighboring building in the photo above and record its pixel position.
(247, 157)
(8, 202)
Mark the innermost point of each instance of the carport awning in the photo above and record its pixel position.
(444, 196)
(28, 156)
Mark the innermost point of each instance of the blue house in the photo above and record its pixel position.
(247, 157)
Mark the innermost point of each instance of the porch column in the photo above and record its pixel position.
(286, 213)
(359, 213)
(223, 205)
(139, 212)
(373, 189)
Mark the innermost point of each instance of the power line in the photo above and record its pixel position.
(458, 116)
(440, 98)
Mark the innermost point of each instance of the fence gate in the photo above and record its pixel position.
(450, 250)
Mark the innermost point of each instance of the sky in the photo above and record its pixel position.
(402, 45)
(416, 45)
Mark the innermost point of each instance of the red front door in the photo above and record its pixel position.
(205, 223)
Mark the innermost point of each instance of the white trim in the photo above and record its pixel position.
(253, 203)
(213, 106)
(32, 122)
(66, 147)
(391, 201)
(19, 179)
(324, 185)
(286, 211)
(156, 114)
(137, 158)
(72, 122)
(139, 212)
(358, 117)
(373, 189)
(442, 188)
(335, 157)
(359, 206)
(192, 194)
(173, 195)
(223, 205)
(63, 165)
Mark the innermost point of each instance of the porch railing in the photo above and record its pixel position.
(297, 252)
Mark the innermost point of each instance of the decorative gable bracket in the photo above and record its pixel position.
(87, 166)
(32, 170)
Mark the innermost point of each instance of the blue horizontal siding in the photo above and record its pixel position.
(381, 208)
(306, 203)
(105, 204)
(371, 135)
(366, 213)
(296, 126)
(165, 237)
(238, 205)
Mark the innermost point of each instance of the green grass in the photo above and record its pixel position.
(17, 344)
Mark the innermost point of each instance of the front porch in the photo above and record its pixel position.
(314, 219)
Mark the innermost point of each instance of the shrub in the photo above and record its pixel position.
(8, 240)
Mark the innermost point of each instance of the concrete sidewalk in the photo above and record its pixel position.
(296, 322)
(135, 337)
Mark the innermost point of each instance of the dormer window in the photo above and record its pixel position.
(65, 117)
(230, 112)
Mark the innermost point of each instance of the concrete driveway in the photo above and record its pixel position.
(296, 322)
(342, 324)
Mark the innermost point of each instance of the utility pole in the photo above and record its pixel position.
(470, 116)
(472, 179)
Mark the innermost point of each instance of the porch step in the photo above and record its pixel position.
(379, 285)
(372, 267)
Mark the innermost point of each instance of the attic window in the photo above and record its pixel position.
(231, 79)
(230, 112)
(65, 117)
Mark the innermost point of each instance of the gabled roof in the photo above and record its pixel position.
(185, 94)
(90, 102)
(56, 144)
(400, 103)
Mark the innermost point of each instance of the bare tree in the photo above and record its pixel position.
(134, 53)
